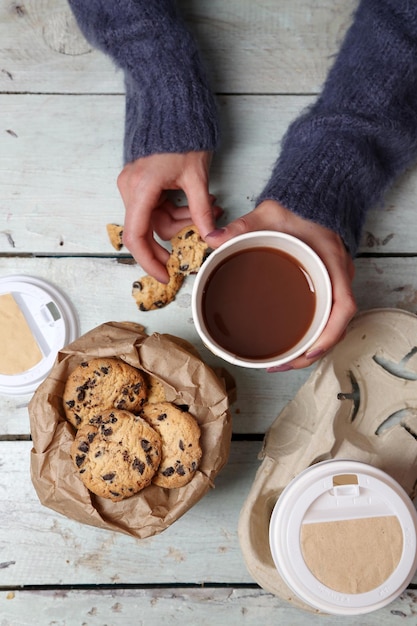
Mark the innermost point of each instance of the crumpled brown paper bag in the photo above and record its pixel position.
(187, 380)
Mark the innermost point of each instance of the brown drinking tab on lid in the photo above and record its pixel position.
(19, 348)
(353, 555)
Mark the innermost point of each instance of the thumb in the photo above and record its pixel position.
(201, 206)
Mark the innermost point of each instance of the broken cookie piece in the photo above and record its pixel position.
(188, 253)
(190, 249)
(150, 294)
(115, 233)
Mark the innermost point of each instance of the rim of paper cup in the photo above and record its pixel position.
(205, 271)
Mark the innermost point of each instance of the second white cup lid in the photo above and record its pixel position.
(52, 321)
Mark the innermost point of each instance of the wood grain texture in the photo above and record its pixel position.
(40, 547)
(58, 175)
(73, 553)
(179, 607)
(260, 46)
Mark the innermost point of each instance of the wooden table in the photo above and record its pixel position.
(61, 108)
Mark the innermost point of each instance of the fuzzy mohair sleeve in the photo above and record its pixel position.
(339, 157)
(169, 103)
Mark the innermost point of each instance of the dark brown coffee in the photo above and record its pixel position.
(258, 303)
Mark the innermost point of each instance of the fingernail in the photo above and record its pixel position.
(280, 368)
(314, 353)
(216, 233)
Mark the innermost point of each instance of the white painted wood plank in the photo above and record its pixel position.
(41, 547)
(58, 175)
(100, 290)
(260, 46)
(179, 607)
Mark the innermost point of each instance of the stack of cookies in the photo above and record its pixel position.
(127, 435)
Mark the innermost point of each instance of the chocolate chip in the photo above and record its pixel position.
(168, 471)
(79, 459)
(137, 285)
(159, 304)
(180, 470)
(84, 364)
(84, 447)
(162, 417)
(105, 370)
(81, 395)
(146, 445)
(107, 431)
(109, 476)
(142, 307)
(70, 404)
(116, 494)
(91, 436)
(138, 465)
(181, 445)
(188, 234)
(185, 267)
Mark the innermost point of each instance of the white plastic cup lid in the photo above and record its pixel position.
(52, 321)
(315, 496)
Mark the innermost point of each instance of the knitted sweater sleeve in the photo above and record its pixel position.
(169, 104)
(339, 157)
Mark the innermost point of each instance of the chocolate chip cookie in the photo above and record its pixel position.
(190, 249)
(118, 455)
(99, 384)
(115, 233)
(150, 294)
(180, 435)
(155, 389)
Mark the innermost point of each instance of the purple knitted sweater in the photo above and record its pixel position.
(169, 104)
(336, 160)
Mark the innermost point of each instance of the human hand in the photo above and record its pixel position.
(270, 215)
(143, 185)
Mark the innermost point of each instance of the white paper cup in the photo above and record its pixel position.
(304, 255)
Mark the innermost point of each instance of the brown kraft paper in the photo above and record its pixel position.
(186, 379)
